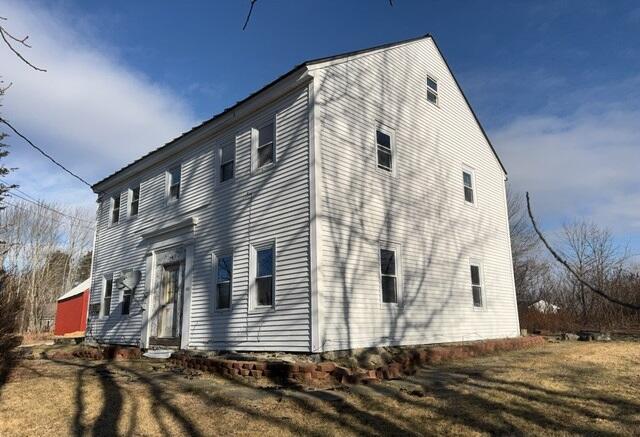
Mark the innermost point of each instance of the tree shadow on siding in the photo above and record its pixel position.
(420, 210)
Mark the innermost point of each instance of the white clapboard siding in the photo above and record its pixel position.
(421, 208)
(228, 221)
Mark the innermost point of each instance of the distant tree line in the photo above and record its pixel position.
(44, 254)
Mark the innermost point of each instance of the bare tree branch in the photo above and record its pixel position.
(6, 36)
(571, 270)
(253, 2)
(391, 3)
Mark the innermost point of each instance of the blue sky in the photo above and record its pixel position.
(555, 83)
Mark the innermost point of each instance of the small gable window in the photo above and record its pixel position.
(432, 90)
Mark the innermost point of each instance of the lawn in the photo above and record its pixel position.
(556, 389)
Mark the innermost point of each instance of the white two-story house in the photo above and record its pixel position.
(354, 202)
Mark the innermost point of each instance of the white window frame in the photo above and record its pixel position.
(103, 293)
(130, 200)
(483, 295)
(123, 289)
(434, 91)
(474, 186)
(397, 249)
(255, 139)
(220, 164)
(112, 207)
(214, 279)
(168, 182)
(253, 267)
(394, 155)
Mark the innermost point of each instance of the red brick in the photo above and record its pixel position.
(228, 364)
(256, 373)
(326, 367)
(237, 365)
(245, 372)
(307, 367)
(248, 366)
(260, 366)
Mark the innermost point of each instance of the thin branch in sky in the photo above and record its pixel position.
(8, 37)
(51, 158)
(253, 2)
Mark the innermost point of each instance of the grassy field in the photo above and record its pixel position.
(557, 389)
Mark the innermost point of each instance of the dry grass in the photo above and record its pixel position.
(567, 388)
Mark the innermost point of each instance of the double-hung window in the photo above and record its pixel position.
(264, 284)
(384, 150)
(265, 150)
(227, 159)
(107, 292)
(134, 202)
(467, 180)
(432, 90)
(389, 275)
(126, 300)
(115, 209)
(224, 274)
(476, 285)
(174, 174)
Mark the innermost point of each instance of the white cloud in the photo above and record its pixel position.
(89, 110)
(584, 164)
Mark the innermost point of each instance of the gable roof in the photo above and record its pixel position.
(293, 70)
(78, 289)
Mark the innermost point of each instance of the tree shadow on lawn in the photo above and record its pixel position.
(485, 399)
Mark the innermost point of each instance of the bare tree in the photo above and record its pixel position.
(595, 251)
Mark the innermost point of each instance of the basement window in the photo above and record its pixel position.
(174, 175)
(476, 285)
(388, 275)
(432, 90)
(107, 292)
(224, 273)
(115, 209)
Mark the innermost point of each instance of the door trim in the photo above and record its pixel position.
(150, 284)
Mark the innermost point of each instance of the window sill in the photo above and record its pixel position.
(264, 169)
(263, 309)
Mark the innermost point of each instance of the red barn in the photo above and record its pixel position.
(71, 313)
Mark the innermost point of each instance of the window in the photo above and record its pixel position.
(174, 183)
(467, 180)
(476, 285)
(224, 273)
(432, 90)
(134, 202)
(126, 300)
(226, 163)
(115, 209)
(264, 276)
(388, 276)
(384, 149)
(107, 291)
(265, 153)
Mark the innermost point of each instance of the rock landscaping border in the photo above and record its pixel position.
(326, 373)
